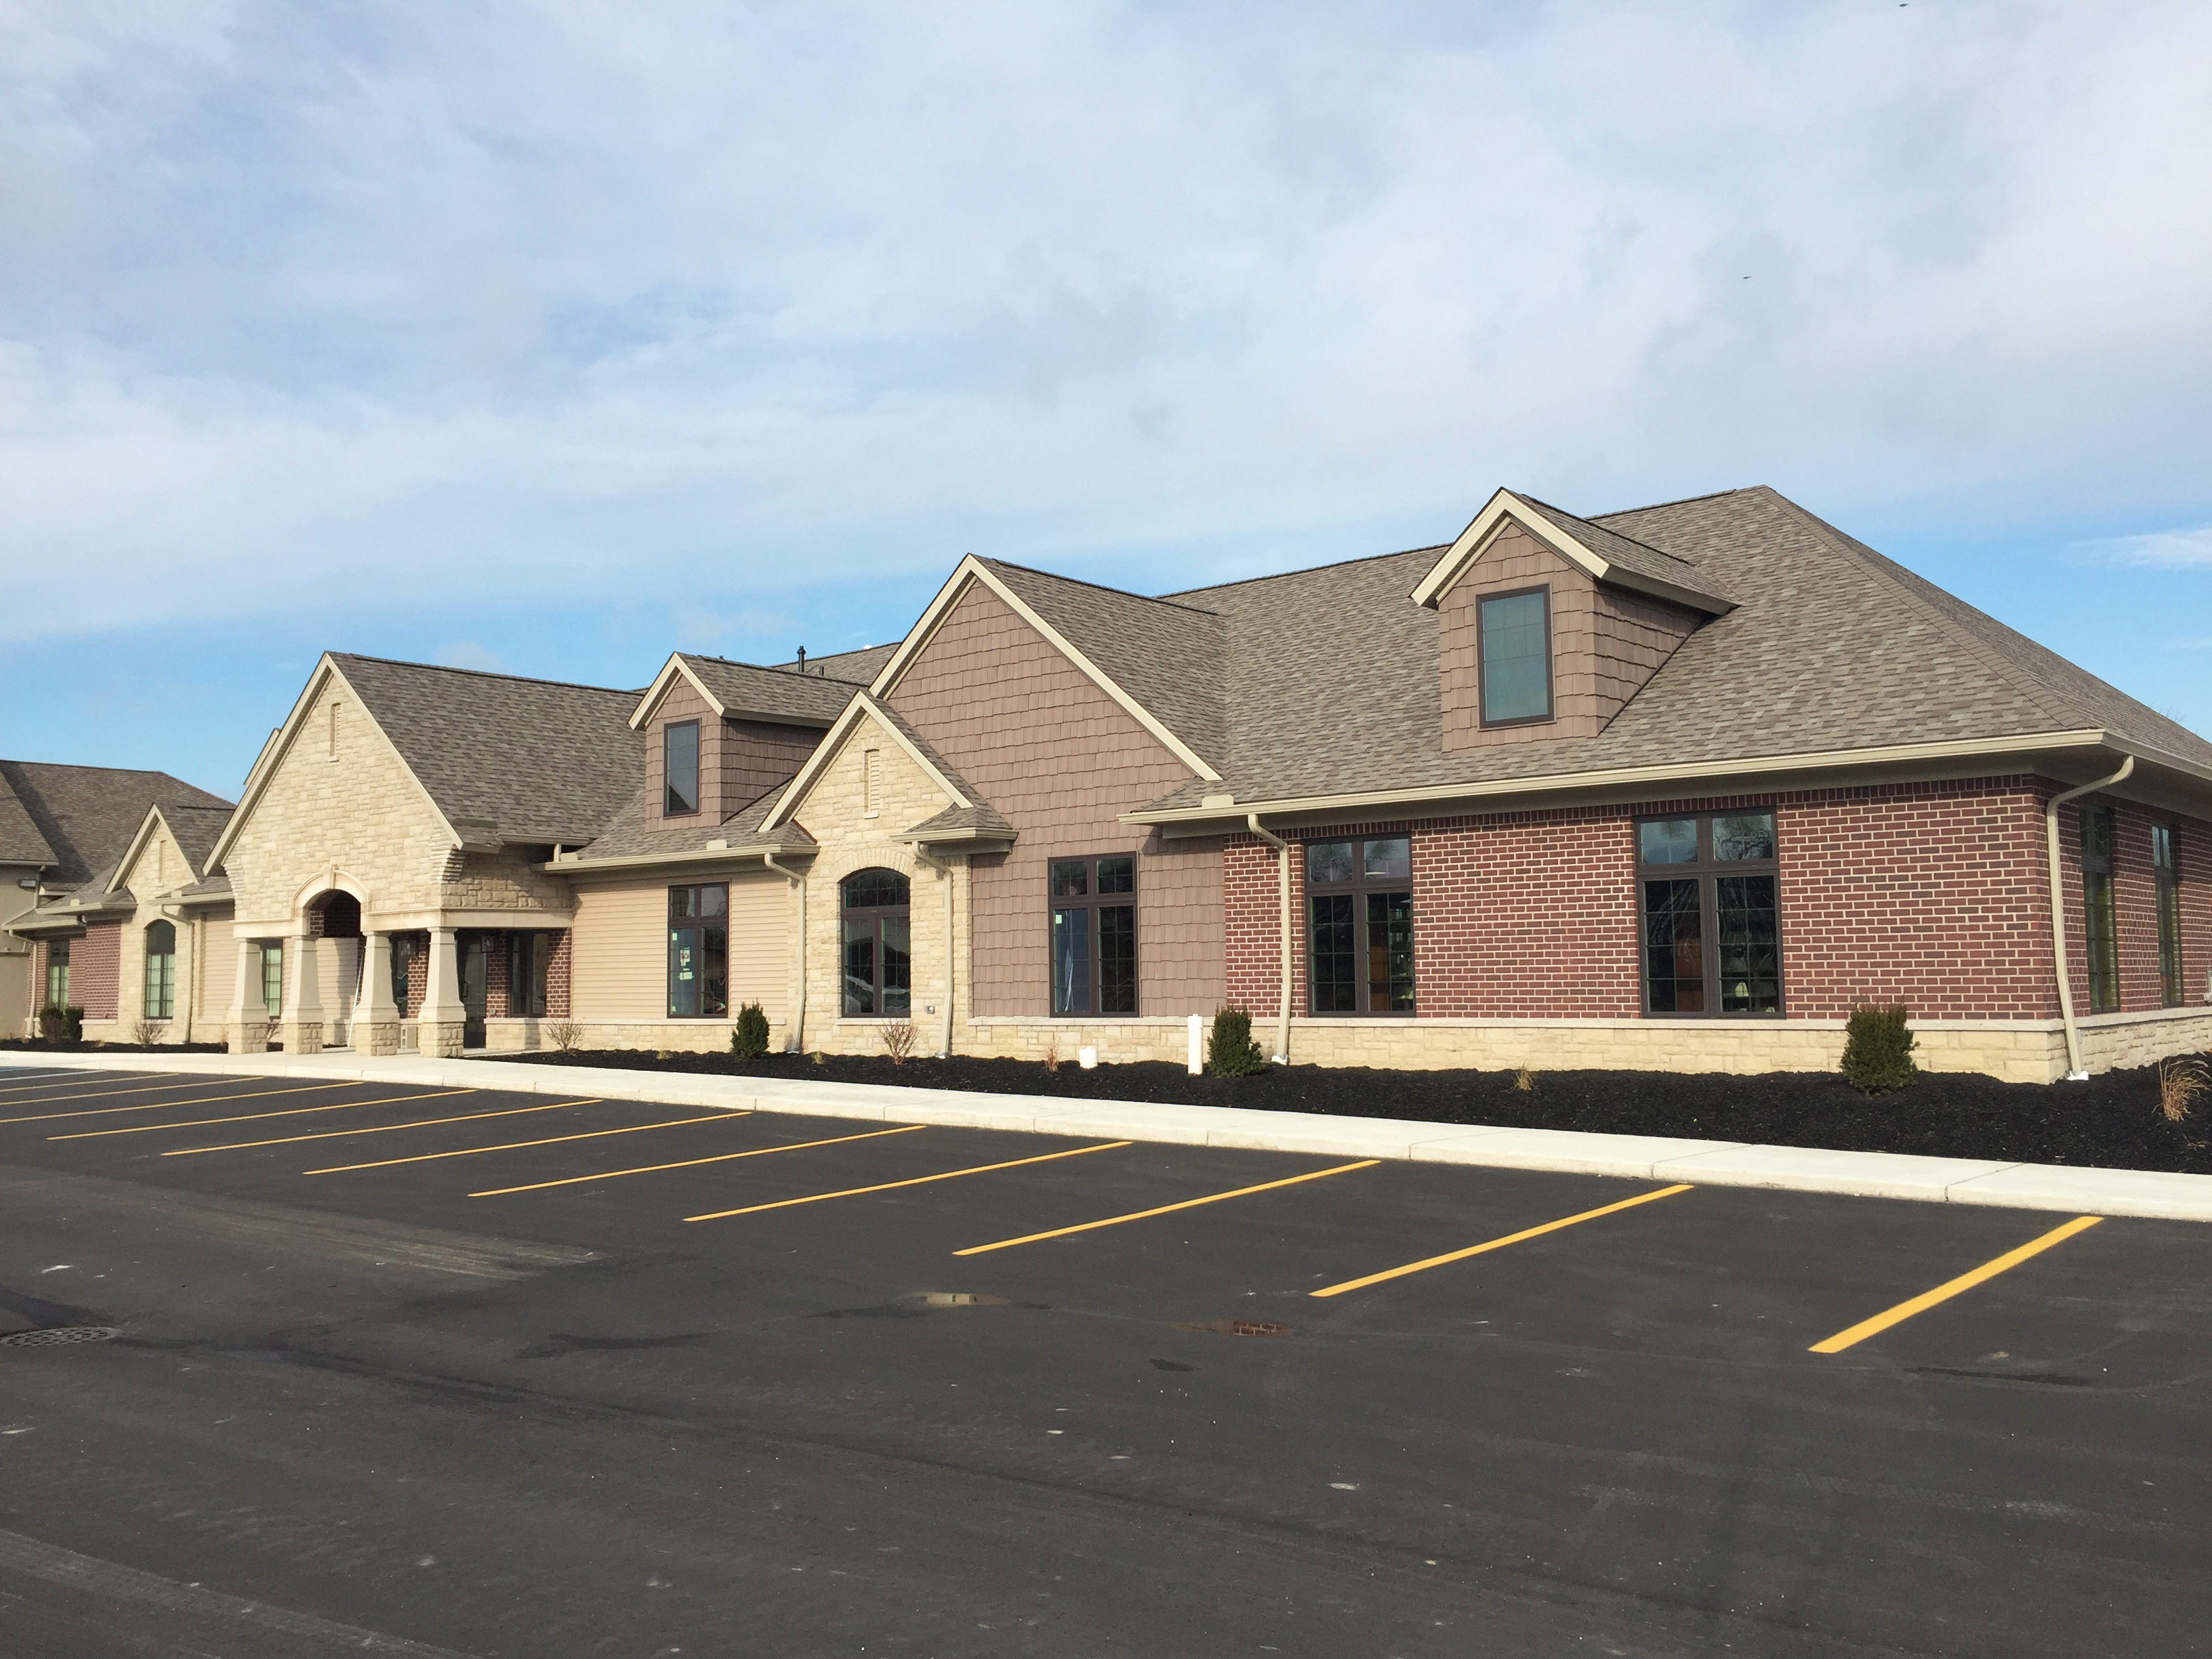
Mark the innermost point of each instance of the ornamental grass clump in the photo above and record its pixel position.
(1230, 1050)
(1878, 1050)
(2180, 1080)
(748, 1038)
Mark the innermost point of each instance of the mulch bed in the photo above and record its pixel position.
(2112, 1120)
(40, 1045)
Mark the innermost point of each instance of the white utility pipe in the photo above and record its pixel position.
(1283, 869)
(799, 1013)
(2075, 1071)
(944, 875)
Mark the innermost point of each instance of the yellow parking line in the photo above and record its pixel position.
(550, 1140)
(1949, 1288)
(250, 1117)
(163, 1105)
(686, 1164)
(143, 1089)
(380, 1129)
(916, 1181)
(1166, 1209)
(62, 1081)
(1497, 1243)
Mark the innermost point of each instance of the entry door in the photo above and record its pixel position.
(474, 959)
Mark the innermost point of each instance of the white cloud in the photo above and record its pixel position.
(708, 306)
(2162, 550)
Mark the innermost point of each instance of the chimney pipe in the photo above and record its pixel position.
(802, 660)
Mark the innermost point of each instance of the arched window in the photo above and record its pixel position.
(879, 951)
(161, 970)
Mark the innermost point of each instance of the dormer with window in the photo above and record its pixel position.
(1548, 625)
(719, 735)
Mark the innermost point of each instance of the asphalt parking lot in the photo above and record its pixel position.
(419, 1371)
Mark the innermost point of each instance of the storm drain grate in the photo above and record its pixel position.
(58, 1336)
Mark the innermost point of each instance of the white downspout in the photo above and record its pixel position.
(945, 874)
(2074, 1073)
(799, 1014)
(1282, 1055)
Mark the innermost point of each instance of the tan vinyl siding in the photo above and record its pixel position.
(759, 944)
(215, 969)
(621, 966)
(1062, 761)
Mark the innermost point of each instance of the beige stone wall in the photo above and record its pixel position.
(357, 809)
(855, 836)
(2112, 1042)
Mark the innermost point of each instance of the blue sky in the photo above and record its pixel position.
(550, 337)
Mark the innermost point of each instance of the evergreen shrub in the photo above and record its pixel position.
(749, 1039)
(1878, 1050)
(1230, 1050)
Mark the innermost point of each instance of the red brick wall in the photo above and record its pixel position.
(1932, 894)
(496, 965)
(418, 972)
(2134, 900)
(95, 969)
(557, 978)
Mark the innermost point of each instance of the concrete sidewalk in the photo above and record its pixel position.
(1711, 1163)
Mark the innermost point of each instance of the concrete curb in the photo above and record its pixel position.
(1651, 1158)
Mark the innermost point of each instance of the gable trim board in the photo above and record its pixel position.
(1505, 506)
(287, 735)
(118, 882)
(863, 704)
(1231, 813)
(971, 570)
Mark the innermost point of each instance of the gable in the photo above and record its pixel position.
(867, 780)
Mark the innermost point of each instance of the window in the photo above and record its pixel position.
(402, 951)
(527, 955)
(161, 970)
(2097, 920)
(679, 748)
(1712, 920)
(272, 976)
(879, 953)
(1514, 640)
(57, 955)
(1359, 925)
(1094, 935)
(2164, 863)
(699, 951)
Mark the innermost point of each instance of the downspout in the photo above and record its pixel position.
(1282, 1055)
(2074, 1073)
(944, 873)
(799, 1013)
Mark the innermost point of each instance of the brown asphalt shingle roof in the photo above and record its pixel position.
(854, 667)
(542, 761)
(632, 833)
(80, 818)
(1331, 682)
(750, 691)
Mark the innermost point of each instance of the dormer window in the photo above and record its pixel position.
(1514, 645)
(680, 752)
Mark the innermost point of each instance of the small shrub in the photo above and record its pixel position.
(898, 1040)
(1052, 1053)
(148, 1032)
(1524, 1079)
(73, 1024)
(749, 1039)
(818, 1057)
(1878, 1050)
(53, 1023)
(2180, 1080)
(565, 1035)
(1230, 1050)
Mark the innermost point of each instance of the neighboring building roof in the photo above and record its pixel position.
(538, 760)
(1332, 680)
(854, 667)
(748, 691)
(81, 819)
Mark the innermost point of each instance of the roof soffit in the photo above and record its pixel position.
(972, 570)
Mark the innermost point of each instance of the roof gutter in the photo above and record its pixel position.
(1223, 811)
(2074, 1070)
(584, 867)
(1282, 1055)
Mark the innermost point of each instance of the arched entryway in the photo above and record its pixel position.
(334, 934)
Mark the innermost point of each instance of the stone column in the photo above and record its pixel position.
(300, 1026)
(377, 1025)
(246, 1029)
(187, 981)
(443, 1017)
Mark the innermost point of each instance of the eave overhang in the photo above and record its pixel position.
(701, 855)
(2090, 752)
